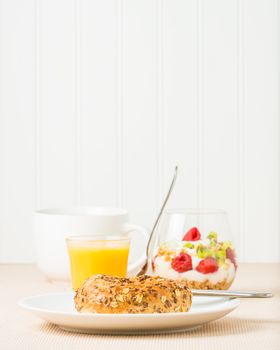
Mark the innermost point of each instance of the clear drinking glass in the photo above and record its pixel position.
(90, 255)
(196, 245)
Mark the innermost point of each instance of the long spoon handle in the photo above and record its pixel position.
(145, 266)
(162, 209)
(234, 294)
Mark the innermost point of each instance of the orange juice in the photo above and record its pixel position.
(97, 255)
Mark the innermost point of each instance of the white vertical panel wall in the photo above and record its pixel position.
(100, 99)
(17, 128)
(56, 114)
(97, 101)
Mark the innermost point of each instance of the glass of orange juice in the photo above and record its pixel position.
(90, 255)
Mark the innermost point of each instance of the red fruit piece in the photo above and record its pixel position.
(231, 256)
(192, 235)
(208, 265)
(182, 262)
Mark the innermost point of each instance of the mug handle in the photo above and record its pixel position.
(137, 265)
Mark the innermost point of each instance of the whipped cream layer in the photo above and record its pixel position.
(163, 268)
(162, 264)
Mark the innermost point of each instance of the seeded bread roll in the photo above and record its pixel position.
(144, 294)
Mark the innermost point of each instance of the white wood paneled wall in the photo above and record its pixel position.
(100, 99)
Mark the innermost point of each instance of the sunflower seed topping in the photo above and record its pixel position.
(177, 292)
(114, 304)
(120, 298)
(139, 298)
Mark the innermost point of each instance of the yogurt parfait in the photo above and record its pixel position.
(207, 263)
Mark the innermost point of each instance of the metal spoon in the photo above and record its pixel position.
(145, 266)
(231, 293)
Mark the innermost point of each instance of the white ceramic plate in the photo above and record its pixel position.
(59, 309)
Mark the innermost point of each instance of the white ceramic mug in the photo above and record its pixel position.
(52, 226)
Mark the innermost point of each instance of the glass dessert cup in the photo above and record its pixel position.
(91, 255)
(195, 245)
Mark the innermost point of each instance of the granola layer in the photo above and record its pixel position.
(222, 285)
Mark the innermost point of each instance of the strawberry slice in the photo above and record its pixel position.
(231, 256)
(182, 262)
(208, 265)
(192, 235)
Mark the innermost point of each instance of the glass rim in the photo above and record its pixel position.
(195, 211)
(97, 238)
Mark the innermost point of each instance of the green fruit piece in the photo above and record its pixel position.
(220, 255)
(204, 252)
(189, 245)
(226, 245)
(213, 243)
(212, 236)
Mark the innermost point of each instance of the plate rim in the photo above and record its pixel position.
(232, 303)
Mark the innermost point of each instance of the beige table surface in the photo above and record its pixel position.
(254, 325)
